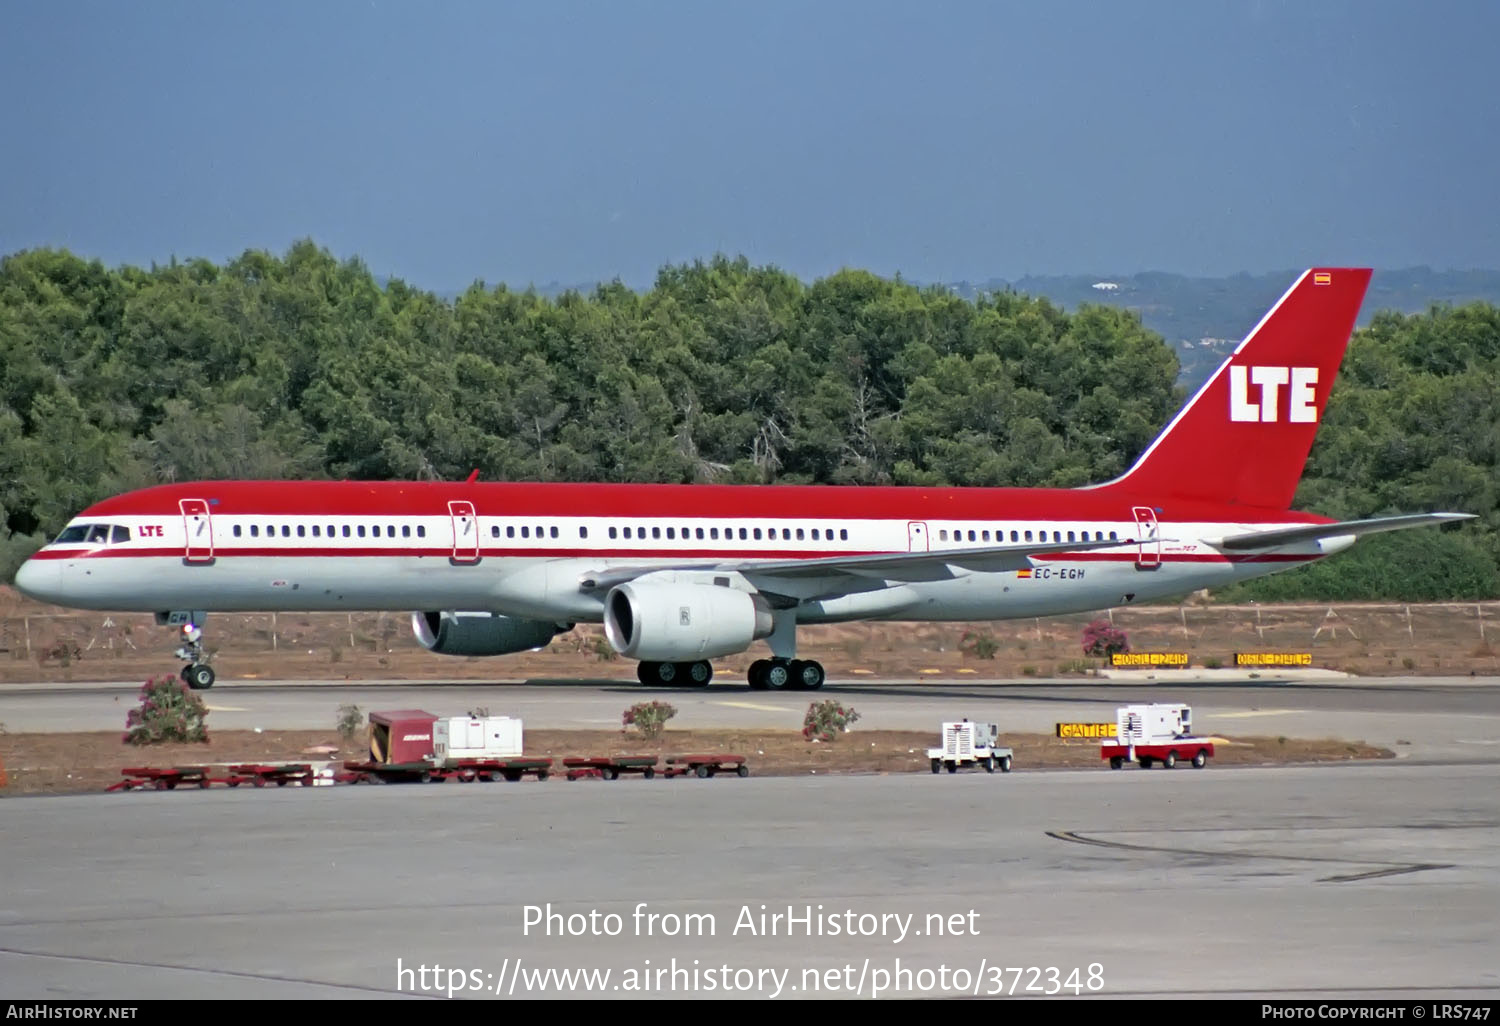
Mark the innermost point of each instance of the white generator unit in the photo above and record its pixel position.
(473, 737)
(966, 743)
(1152, 724)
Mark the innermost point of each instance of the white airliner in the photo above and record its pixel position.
(682, 574)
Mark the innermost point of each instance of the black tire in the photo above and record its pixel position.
(1200, 758)
(1004, 764)
(953, 767)
(667, 673)
(200, 677)
(778, 676)
(1170, 760)
(699, 674)
(757, 674)
(1145, 761)
(648, 772)
(645, 673)
(703, 772)
(807, 675)
(1115, 762)
(989, 764)
(422, 778)
(937, 765)
(742, 770)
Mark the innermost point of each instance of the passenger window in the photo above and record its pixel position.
(627, 532)
(700, 533)
(1070, 536)
(301, 530)
(656, 532)
(494, 530)
(286, 531)
(583, 532)
(390, 530)
(611, 532)
(799, 534)
(943, 535)
(985, 535)
(1028, 536)
(972, 535)
(346, 531)
(360, 530)
(406, 531)
(671, 534)
(254, 531)
(525, 531)
(757, 534)
(236, 530)
(1112, 536)
(553, 531)
(713, 533)
(1015, 536)
(316, 531)
(814, 534)
(745, 535)
(843, 534)
(510, 530)
(1057, 536)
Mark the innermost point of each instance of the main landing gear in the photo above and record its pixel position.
(197, 674)
(692, 675)
(786, 675)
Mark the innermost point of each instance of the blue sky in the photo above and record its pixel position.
(534, 142)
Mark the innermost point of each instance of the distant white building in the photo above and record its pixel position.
(1106, 286)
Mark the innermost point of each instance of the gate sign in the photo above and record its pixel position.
(1090, 730)
(1273, 659)
(1148, 659)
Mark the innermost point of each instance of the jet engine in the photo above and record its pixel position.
(480, 634)
(675, 623)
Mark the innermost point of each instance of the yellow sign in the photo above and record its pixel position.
(1273, 659)
(1149, 659)
(1085, 730)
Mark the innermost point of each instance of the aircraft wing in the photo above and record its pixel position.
(1279, 536)
(904, 567)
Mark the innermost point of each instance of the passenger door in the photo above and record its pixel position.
(465, 532)
(1148, 531)
(200, 532)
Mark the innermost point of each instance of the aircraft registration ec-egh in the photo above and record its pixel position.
(682, 574)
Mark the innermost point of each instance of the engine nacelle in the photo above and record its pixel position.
(479, 634)
(678, 623)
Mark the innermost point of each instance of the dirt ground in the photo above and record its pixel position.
(76, 763)
(43, 643)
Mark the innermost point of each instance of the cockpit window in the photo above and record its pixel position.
(120, 534)
(91, 534)
(74, 535)
(99, 534)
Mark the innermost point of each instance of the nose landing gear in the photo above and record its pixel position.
(197, 674)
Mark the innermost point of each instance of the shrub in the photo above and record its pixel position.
(1102, 638)
(980, 646)
(350, 720)
(648, 717)
(1212, 663)
(169, 711)
(827, 720)
(603, 650)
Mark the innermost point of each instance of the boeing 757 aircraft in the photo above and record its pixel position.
(682, 574)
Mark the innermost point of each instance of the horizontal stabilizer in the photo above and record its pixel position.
(1312, 532)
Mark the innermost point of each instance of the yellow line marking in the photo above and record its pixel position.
(1253, 712)
(753, 705)
(929, 671)
(864, 673)
(225, 708)
(967, 670)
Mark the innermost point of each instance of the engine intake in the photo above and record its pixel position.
(479, 634)
(675, 623)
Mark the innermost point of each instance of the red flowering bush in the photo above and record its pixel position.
(1102, 638)
(169, 711)
(827, 720)
(648, 717)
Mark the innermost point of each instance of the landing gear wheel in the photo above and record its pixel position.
(757, 674)
(645, 673)
(700, 673)
(1170, 760)
(666, 673)
(198, 676)
(778, 676)
(1200, 759)
(807, 675)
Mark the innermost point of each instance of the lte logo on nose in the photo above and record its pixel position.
(1301, 396)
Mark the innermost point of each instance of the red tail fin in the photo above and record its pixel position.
(1244, 438)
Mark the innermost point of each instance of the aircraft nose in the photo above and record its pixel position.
(40, 579)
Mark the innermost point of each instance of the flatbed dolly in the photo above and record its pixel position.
(140, 778)
(258, 775)
(610, 767)
(705, 765)
(464, 770)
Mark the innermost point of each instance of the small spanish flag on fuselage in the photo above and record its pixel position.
(1023, 573)
(1322, 278)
